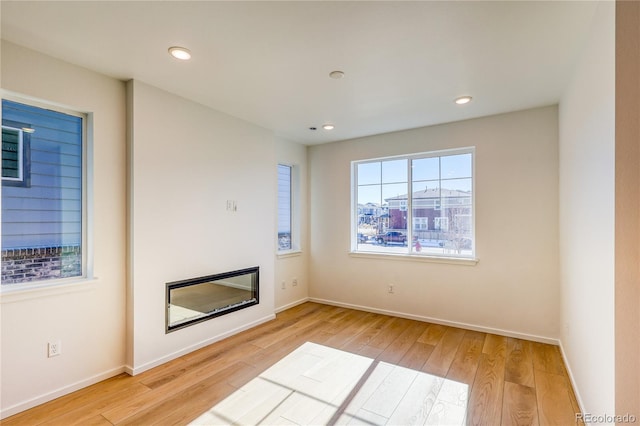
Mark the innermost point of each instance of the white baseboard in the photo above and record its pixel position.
(500, 332)
(576, 391)
(22, 406)
(159, 361)
(291, 305)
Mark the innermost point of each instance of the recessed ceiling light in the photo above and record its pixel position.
(336, 75)
(180, 53)
(328, 126)
(463, 100)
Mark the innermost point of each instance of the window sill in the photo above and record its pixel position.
(467, 261)
(10, 293)
(289, 253)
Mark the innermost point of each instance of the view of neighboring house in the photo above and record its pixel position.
(42, 193)
(434, 209)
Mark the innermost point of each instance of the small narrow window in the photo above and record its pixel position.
(284, 208)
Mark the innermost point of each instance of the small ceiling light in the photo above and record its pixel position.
(180, 53)
(336, 75)
(463, 100)
(328, 126)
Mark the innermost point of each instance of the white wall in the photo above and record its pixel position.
(89, 319)
(514, 286)
(587, 188)
(295, 265)
(186, 161)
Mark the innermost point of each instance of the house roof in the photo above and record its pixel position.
(433, 193)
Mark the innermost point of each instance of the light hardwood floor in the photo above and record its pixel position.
(507, 381)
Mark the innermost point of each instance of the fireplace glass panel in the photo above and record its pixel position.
(198, 299)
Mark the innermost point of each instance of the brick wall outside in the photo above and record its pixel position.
(45, 263)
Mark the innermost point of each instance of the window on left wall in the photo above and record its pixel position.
(285, 208)
(44, 203)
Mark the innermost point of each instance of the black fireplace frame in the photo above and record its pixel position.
(255, 292)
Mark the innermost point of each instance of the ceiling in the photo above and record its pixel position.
(269, 62)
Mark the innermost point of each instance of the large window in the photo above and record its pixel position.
(43, 194)
(420, 204)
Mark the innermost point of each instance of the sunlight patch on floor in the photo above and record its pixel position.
(318, 385)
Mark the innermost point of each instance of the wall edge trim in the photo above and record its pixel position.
(292, 304)
(166, 358)
(64, 390)
(500, 332)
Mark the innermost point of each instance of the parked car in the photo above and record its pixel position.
(391, 237)
(362, 238)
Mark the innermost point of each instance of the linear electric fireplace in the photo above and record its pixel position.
(199, 299)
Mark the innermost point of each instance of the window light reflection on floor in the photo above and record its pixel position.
(318, 385)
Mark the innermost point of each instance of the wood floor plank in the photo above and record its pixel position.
(243, 375)
(519, 407)
(214, 361)
(495, 345)
(485, 400)
(363, 338)
(399, 347)
(281, 335)
(519, 367)
(182, 408)
(347, 320)
(554, 402)
(346, 332)
(445, 351)
(433, 334)
(199, 390)
(416, 356)
(175, 383)
(547, 358)
(94, 408)
(389, 332)
(465, 363)
(81, 398)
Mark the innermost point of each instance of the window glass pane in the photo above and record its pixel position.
(42, 229)
(394, 191)
(284, 207)
(456, 185)
(369, 173)
(426, 189)
(369, 194)
(425, 168)
(456, 166)
(380, 225)
(394, 171)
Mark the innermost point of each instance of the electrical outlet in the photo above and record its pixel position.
(390, 288)
(284, 285)
(54, 348)
(294, 282)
